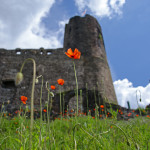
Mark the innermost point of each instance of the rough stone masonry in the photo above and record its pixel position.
(93, 73)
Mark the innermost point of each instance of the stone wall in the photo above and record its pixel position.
(92, 68)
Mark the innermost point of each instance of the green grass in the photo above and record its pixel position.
(81, 133)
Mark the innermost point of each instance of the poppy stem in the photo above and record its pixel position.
(60, 102)
(32, 95)
(76, 85)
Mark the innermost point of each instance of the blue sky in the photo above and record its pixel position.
(126, 30)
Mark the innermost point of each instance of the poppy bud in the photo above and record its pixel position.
(19, 78)
(36, 81)
(51, 93)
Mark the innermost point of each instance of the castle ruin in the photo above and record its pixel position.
(93, 73)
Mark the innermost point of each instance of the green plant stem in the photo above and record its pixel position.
(87, 98)
(48, 115)
(60, 102)
(76, 85)
(81, 100)
(32, 95)
(41, 101)
(137, 100)
(41, 110)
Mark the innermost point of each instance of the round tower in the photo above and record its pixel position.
(85, 34)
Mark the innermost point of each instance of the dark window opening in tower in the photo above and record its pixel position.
(8, 84)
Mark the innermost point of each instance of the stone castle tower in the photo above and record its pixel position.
(93, 73)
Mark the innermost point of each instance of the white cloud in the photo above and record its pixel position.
(101, 8)
(21, 25)
(126, 92)
(116, 5)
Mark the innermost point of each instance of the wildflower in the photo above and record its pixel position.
(24, 99)
(100, 116)
(44, 110)
(121, 113)
(19, 78)
(71, 110)
(89, 110)
(101, 106)
(76, 54)
(110, 126)
(16, 111)
(129, 114)
(93, 117)
(133, 110)
(53, 87)
(148, 116)
(4, 115)
(65, 110)
(102, 109)
(137, 115)
(60, 81)
(94, 109)
(119, 110)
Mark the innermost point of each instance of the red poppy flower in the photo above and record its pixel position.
(45, 110)
(76, 54)
(24, 99)
(53, 87)
(101, 106)
(60, 81)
